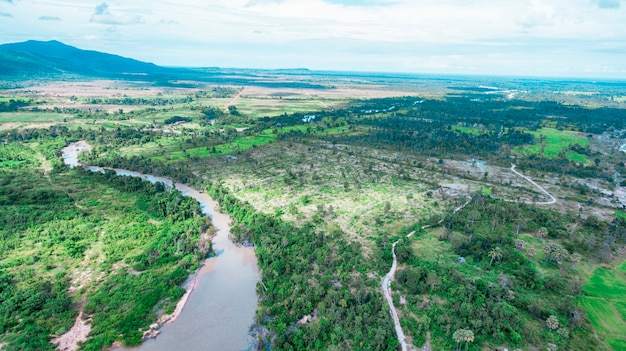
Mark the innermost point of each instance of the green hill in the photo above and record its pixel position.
(38, 59)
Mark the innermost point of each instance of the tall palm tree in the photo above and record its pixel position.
(462, 335)
(458, 337)
(495, 254)
(469, 337)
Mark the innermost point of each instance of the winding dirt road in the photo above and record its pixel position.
(389, 276)
(386, 282)
(552, 198)
(387, 291)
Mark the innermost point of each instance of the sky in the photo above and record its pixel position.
(558, 38)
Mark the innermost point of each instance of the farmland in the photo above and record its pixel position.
(551, 143)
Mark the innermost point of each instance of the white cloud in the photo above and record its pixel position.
(104, 16)
(537, 13)
(409, 35)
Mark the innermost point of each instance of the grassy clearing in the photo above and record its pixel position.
(620, 305)
(173, 149)
(606, 304)
(7, 99)
(33, 117)
(475, 131)
(617, 344)
(428, 247)
(607, 284)
(551, 142)
(622, 267)
(255, 107)
(486, 190)
(604, 316)
(336, 188)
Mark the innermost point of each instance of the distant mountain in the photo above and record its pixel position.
(52, 59)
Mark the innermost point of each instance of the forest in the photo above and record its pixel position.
(110, 227)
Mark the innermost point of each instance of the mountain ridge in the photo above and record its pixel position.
(34, 59)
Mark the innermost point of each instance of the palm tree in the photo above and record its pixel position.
(495, 254)
(469, 337)
(458, 337)
(463, 335)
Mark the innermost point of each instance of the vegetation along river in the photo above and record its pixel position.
(220, 310)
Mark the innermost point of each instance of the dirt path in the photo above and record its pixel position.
(552, 198)
(469, 199)
(386, 282)
(234, 99)
(392, 309)
(69, 341)
(387, 279)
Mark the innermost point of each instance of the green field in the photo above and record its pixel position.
(617, 344)
(261, 107)
(7, 99)
(486, 190)
(622, 267)
(475, 131)
(607, 284)
(605, 304)
(171, 149)
(32, 117)
(604, 316)
(555, 141)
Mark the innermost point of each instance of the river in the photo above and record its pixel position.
(220, 310)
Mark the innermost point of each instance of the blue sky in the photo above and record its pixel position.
(573, 38)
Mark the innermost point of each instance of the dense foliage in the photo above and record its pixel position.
(121, 244)
(306, 272)
(502, 290)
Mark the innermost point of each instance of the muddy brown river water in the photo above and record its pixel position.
(220, 310)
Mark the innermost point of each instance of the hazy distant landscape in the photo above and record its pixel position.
(495, 207)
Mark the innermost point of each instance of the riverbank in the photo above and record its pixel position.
(219, 305)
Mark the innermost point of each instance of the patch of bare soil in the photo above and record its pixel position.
(78, 333)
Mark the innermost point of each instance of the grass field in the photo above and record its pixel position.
(604, 316)
(486, 190)
(475, 131)
(555, 142)
(172, 149)
(622, 267)
(7, 99)
(260, 107)
(607, 284)
(428, 247)
(617, 344)
(32, 117)
(605, 304)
